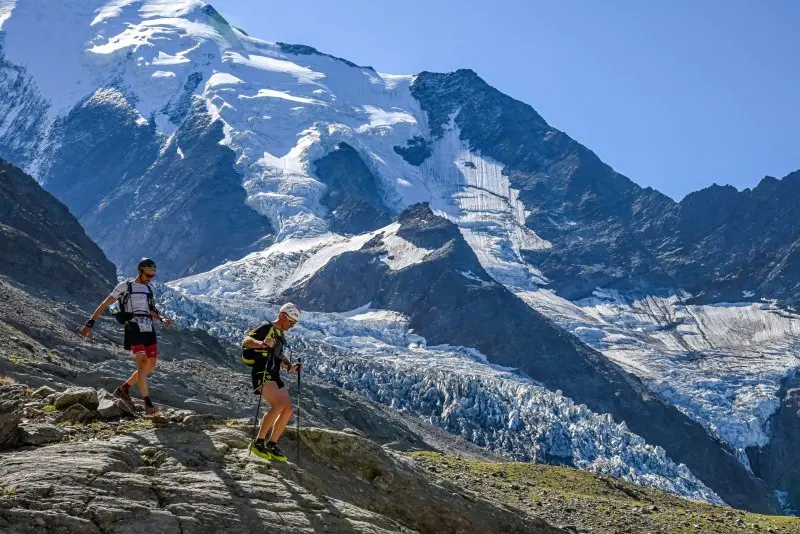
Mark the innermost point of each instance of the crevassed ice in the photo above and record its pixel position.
(722, 365)
(367, 351)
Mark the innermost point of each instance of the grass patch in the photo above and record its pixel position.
(21, 360)
(49, 408)
(7, 381)
(100, 430)
(598, 503)
(7, 492)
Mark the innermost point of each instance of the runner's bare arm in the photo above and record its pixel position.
(252, 343)
(101, 309)
(158, 317)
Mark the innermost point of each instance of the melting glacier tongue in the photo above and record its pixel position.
(372, 353)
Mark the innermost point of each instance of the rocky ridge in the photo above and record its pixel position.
(43, 246)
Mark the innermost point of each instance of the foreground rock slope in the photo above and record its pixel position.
(185, 472)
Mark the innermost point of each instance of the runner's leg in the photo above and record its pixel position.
(285, 415)
(141, 372)
(271, 394)
(152, 359)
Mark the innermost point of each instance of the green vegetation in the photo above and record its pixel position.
(21, 360)
(565, 496)
(102, 430)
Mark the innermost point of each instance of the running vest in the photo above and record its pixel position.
(262, 332)
(121, 315)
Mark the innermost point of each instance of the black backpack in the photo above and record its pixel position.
(249, 356)
(123, 316)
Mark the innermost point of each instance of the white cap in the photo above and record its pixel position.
(291, 310)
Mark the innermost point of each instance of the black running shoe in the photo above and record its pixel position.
(260, 450)
(275, 451)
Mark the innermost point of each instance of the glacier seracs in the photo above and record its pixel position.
(373, 353)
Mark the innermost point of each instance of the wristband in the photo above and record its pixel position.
(90, 323)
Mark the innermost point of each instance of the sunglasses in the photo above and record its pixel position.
(148, 276)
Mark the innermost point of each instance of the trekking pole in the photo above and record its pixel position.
(299, 398)
(258, 409)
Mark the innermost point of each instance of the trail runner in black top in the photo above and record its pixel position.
(264, 348)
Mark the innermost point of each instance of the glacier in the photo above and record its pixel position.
(721, 364)
(373, 353)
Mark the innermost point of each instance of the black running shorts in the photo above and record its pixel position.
(133, 336)
(266, 370)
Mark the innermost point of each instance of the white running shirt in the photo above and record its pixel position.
(136, 304)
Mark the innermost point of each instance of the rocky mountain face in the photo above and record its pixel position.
(352, 198)
(738, 245)
(776, 463)
(595, 218)
(72, 461)
(43, 246)
(450, 299)
(111, 171)
(606, 231)
(192, 191)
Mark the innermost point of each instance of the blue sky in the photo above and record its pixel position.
(674, 94)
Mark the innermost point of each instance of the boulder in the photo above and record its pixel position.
(201, 419)
(110, 407)
(77, 413)
(177, 416)
(12, 398)
(43, 392)
(39, 434)
(77, 395)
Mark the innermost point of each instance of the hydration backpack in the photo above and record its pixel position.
(123, 316)
(250, 356)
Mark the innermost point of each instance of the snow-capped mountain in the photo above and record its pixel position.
(148, 114)
(170, 133)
